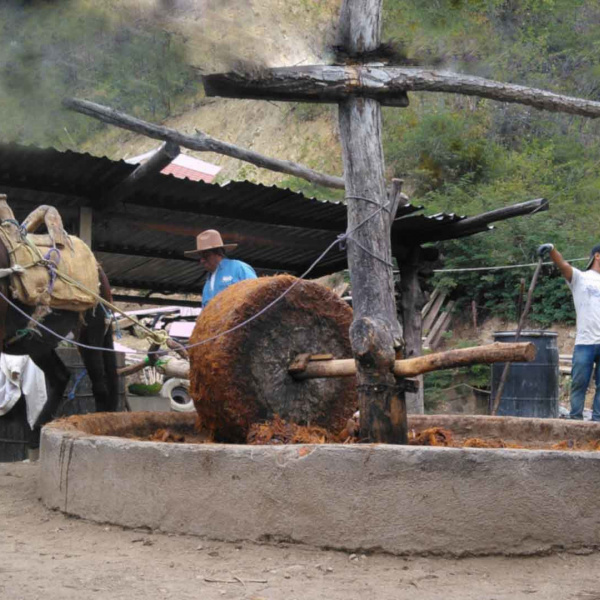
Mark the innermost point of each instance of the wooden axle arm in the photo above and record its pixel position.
(491, 353)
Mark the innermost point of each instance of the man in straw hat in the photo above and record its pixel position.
(585, 287)
(210, 252)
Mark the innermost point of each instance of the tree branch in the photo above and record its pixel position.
(388, 85)
(200, 143)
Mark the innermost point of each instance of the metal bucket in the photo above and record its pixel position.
(531, 389)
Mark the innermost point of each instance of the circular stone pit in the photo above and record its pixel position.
(398, 499)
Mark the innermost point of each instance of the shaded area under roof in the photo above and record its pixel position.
(140, 242)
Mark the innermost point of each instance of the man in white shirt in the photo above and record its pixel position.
(585, 287)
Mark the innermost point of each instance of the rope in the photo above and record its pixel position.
(78, 380)
(52, 266)
(347, 237)
(158, 337)
(369, 200)
(210, 339)
(385, 262)
(499, 268)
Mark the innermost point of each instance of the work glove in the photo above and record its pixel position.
(544, 250)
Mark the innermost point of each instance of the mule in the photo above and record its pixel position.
(91, 330)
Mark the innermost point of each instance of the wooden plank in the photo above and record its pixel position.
(432, 299)
(445, 319)
(433, 313)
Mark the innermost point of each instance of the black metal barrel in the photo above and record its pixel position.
(78, 399)
(531, 389)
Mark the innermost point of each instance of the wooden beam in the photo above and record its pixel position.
(315, 368)
(233, 234)
(322, 84)
(148, 286)
(261, 265)
(200, 142)
(411, 367)
(86, 217)
(467, 226)
(163, 157)
(154, 301)
(205, 206)
(412, 300)
(395, 199)
(388, 85)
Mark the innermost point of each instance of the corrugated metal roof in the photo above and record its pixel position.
(141, 242)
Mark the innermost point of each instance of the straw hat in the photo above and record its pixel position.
(209, 240)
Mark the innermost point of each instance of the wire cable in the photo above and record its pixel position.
(210, 339)
(502, 267)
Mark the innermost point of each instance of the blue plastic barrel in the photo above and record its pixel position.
(531, 389)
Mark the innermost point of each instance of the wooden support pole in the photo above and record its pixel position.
(201, 142)
(411, 367)
(412, 301)
(387, 85)
(86, 220)
(155, 164)
(375, 332)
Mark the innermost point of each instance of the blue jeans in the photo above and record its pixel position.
(585, 356)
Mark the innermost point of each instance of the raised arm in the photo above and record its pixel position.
(556, 257)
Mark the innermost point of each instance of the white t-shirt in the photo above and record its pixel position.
(585, 286)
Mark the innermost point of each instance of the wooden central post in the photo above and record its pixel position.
(375, 332)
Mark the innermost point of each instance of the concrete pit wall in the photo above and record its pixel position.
(398, 499)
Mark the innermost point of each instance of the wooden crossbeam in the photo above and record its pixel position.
(388, 85)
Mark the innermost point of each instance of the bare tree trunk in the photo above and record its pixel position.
(388, 85)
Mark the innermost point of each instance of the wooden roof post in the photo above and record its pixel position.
(85, 224)
(375, 333)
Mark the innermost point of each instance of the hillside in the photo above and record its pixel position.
(456, 154)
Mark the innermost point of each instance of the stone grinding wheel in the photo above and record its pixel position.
(242, 377)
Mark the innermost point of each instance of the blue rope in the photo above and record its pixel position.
(52, 265)
(71, 394)
(21, 228)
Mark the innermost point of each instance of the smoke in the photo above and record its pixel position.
(136, 54)
(268, 33)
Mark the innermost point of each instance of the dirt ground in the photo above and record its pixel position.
(48, 556)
